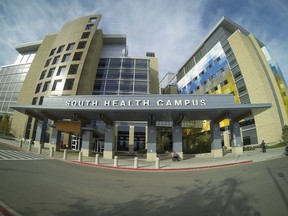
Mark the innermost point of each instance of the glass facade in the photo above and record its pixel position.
(117, 76)
(11, 81)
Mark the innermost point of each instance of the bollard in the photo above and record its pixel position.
(29, 146)
(52, 152)
(40, 150)
(136, 162)
(115, 161)
(65, 154)
(157, 163)
(80, 157)
(20, 143)
(97, 159)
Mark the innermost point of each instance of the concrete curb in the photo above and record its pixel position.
(161, 169)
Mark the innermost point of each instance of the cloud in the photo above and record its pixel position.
(173, 29)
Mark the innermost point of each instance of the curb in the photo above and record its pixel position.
(159, 170)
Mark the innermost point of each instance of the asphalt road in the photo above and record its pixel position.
(54, 187)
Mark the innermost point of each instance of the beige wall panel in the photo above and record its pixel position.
(154, 78)
(258, 86)
(27, 92)
(87, 78)
(67, 126)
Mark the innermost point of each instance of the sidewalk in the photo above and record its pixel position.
(165, 163)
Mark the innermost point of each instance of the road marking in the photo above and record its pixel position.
(7, 211)
(20, 155)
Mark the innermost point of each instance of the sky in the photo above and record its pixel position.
(173, 29)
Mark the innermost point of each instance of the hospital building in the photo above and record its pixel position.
(79, 89)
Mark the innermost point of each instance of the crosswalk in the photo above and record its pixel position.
(20, 155)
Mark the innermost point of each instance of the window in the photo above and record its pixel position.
(195, 78)
(52, 52)
(127, 74)
(34, 101)
(73, 69)
(112, 85)
(38, 88)
(81, 45)
(41, 100)
(141, 64)
(68, 84)
(140, 87)
(115, 63)
(85, 35)
(101, 73)
(60, 49)
(51, 72)
(66, 58)
(57, 85)
(92, 19)
(70, 46)
(77, 56)
(56, 60)
(61, 71)
(42, 74)
(89, 26)
(202, 72)
(141, 74)
(128, 63)
(113, 73)
(47, 63)
(126, 86)
(103, 63)
(46, 86)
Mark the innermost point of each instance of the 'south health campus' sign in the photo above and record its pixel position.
(132, 102)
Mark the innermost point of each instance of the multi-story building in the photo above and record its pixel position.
(232, 60)
(12, 76)
(81, 60)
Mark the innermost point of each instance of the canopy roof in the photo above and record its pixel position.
(141, 108)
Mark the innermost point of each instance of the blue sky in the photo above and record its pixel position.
(173, 29)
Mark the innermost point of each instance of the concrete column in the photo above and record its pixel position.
(177, 140)
(87, 137)
(151, 143)
(55, 139)
(216, 146)
(109, 142)
(226, 139)
(236, 142)
(40, 136)
(131, 139)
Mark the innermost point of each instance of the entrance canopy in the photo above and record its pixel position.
(141, 108)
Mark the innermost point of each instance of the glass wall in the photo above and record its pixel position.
(11, 81)
(117, 76)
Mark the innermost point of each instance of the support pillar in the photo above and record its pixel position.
(55, 139)
(177, 140)
(87, 137)
(41, 132)
(236, 142)
(216, 146)
(151, 143)
(131, 139)
(226, 138)
(109, 142)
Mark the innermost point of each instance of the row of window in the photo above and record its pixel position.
(122, 74)
(60, 71)
(66, 57)
(123, 63)
(57, 85)
(70, 46)
(122, 86)
(222, 70)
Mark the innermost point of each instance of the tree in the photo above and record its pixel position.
(285, 134)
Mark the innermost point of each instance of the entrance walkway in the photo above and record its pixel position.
(190, 162)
